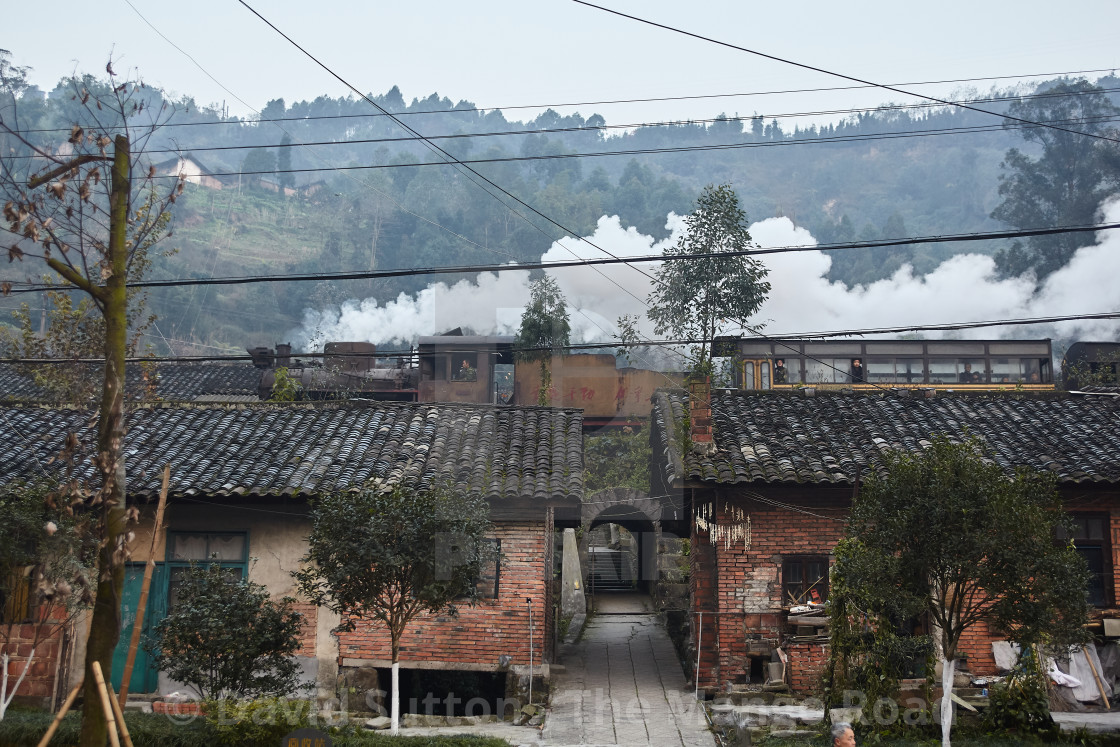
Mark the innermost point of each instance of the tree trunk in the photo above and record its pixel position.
(395, 688)
(105, 625)
(5, 696)
(948, 669)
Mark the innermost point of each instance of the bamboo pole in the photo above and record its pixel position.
(1097, 677)
(62, 712)
(142, 605)
(118, 712)
(106, 704)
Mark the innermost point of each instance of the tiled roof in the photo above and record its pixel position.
(786, 437)
(280, 450)
(174, 382)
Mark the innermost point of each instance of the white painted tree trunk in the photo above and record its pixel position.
(6, 696)
(948, 669)
(395, 712)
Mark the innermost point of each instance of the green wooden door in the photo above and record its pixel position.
(145, 677)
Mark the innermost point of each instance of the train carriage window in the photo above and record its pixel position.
(880, 370)
(910, 370)
(1014, 370)
(764, 374)
(827, 370)
(748, 375)
(780, 371)
(466, 367)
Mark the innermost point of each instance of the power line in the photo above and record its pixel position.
(627, 126)
(776, 337)
(472, 174)
(819, 140)
(468, 110)
(610, 260)
(834, 74)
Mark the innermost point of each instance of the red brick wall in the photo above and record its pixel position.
(740, 589)
(310, 614)
(807, 662)
(479, 634)
(39, 682)
(745, 585)
(977, 643)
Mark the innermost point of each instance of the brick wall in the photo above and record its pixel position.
(744, 586)
(40, 680)
(807, 662)
(740, 589)
(479, 634)
(310, 614)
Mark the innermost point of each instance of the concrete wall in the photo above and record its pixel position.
(277, 536)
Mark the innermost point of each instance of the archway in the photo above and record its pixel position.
(621, 529)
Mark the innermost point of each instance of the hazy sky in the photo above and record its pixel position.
(506, 52)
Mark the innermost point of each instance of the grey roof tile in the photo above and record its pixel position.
(273, 450)
(175, 382)
(789, 438)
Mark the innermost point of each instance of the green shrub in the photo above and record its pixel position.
(226, 637)
(1020, 704)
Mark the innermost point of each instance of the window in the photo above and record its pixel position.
(504, 381)
(805, 579)
(229, 549)
(466, 367)
(15, 597)
(1090, 535)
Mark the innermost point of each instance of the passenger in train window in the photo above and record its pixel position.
(779, 371)
(967, 377)
(857, 371)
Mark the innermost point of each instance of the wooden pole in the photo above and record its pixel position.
(1097, 677)
(118, 712)
(142, 605)
(62, 712)
(106, 704)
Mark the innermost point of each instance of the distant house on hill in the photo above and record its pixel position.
(192, 171)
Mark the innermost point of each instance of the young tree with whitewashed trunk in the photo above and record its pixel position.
(391, 553)
(946, 533)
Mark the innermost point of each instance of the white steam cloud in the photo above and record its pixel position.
(963, 289)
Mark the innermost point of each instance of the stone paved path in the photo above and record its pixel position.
(623, 685)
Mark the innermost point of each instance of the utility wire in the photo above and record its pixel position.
(468, 110)
(575, 347)
(610, 260)
(834, 74)
(472, 174)
(818, 140)
(628, 126)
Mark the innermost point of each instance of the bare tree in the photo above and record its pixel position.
(88, 208)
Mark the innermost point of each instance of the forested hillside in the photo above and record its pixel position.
(333, 185)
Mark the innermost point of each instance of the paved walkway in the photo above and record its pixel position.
(623, 685)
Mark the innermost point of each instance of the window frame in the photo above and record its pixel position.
(1102, 545)
(179, 564)
(821, 584)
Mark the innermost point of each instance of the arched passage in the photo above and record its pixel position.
(618, 544)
